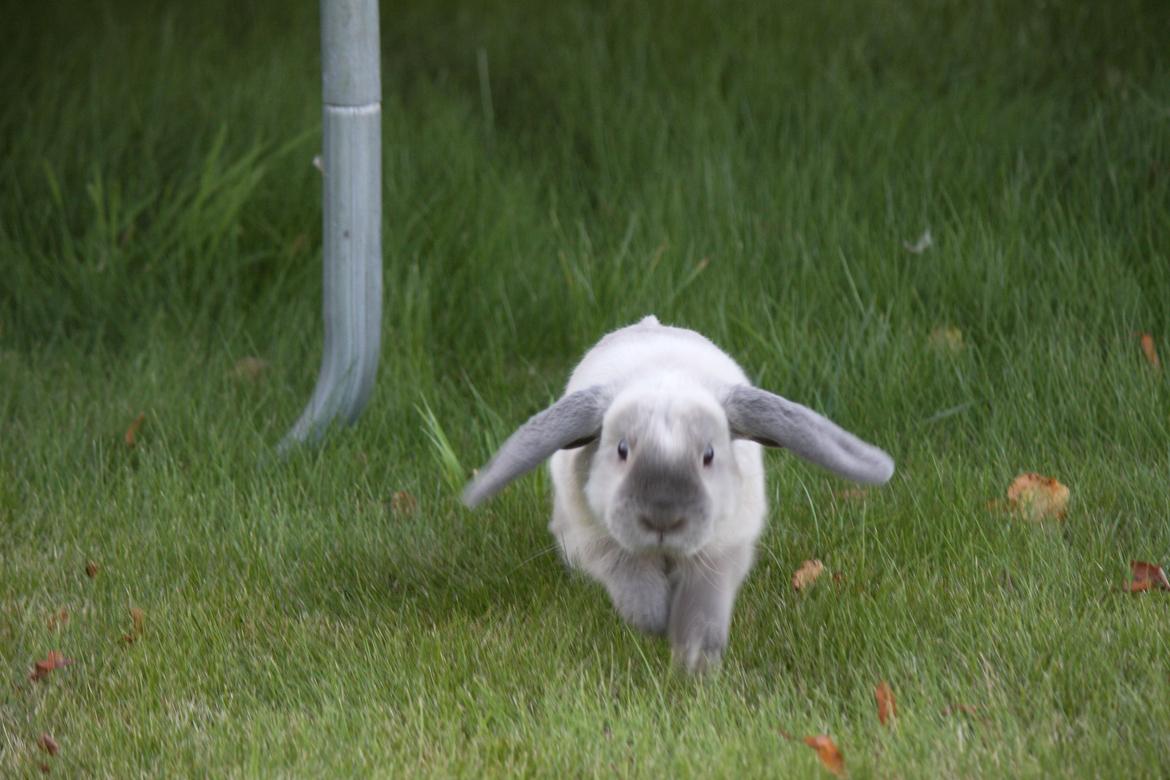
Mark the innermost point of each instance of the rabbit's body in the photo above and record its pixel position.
(674, 373)
(658, 479)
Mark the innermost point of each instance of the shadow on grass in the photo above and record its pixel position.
(439, 570)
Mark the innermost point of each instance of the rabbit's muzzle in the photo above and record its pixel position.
(662, 505)
(661, 523)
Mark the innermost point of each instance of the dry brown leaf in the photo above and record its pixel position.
(54, 660)
(48, 744)
(131, 435)
(852, 494)
(1037, 497)
(403, 503)
(1150, 350)
(91, 569)
(807, 574)
(59, 619)
(138, 618)
(887, 708)
(249, 369)
(960, 709)
(1147, 576)
(828, 753)
(946, 338)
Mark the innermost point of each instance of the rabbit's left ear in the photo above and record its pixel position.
(777, 422)
(571, 422)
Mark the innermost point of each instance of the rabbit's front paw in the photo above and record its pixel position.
(699, 654)
(640, 592)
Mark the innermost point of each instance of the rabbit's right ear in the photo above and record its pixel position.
(573, 421)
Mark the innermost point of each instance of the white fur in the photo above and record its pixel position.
(669, 371)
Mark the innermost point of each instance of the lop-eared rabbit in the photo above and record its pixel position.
(658, 476)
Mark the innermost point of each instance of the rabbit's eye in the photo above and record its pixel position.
(623, 449)
(708, 455)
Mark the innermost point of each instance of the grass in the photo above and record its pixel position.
(551, 173)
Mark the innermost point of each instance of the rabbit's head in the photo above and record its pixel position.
(663, 468)
(663, 471)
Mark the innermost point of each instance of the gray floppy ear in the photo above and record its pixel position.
(571, 422)
(777, 422)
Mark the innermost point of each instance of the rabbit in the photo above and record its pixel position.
(658, 477)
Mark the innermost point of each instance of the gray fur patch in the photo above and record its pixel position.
(700, 614)
(777, 422)
(664, 489)
(573, 421)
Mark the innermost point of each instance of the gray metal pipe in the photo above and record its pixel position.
(352, 169)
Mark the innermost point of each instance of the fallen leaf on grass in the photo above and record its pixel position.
(249, 369)
(946, 338)
(827, 750)
(59, 619)
(54, 660)
(91, 569)
(138, 618)
(1150, 350)
(828, 753)
(48, 744)
(1037, 497)
(131, 435)
(960, 709)
(924, 242)
(1147, 576)
(887, 708)
(807, 574)
(852, 494)
(403, 503)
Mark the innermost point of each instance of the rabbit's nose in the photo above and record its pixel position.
(661, 524)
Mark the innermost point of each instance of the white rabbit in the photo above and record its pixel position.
(658, 477)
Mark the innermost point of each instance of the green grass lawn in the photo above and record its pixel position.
(753, 171)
